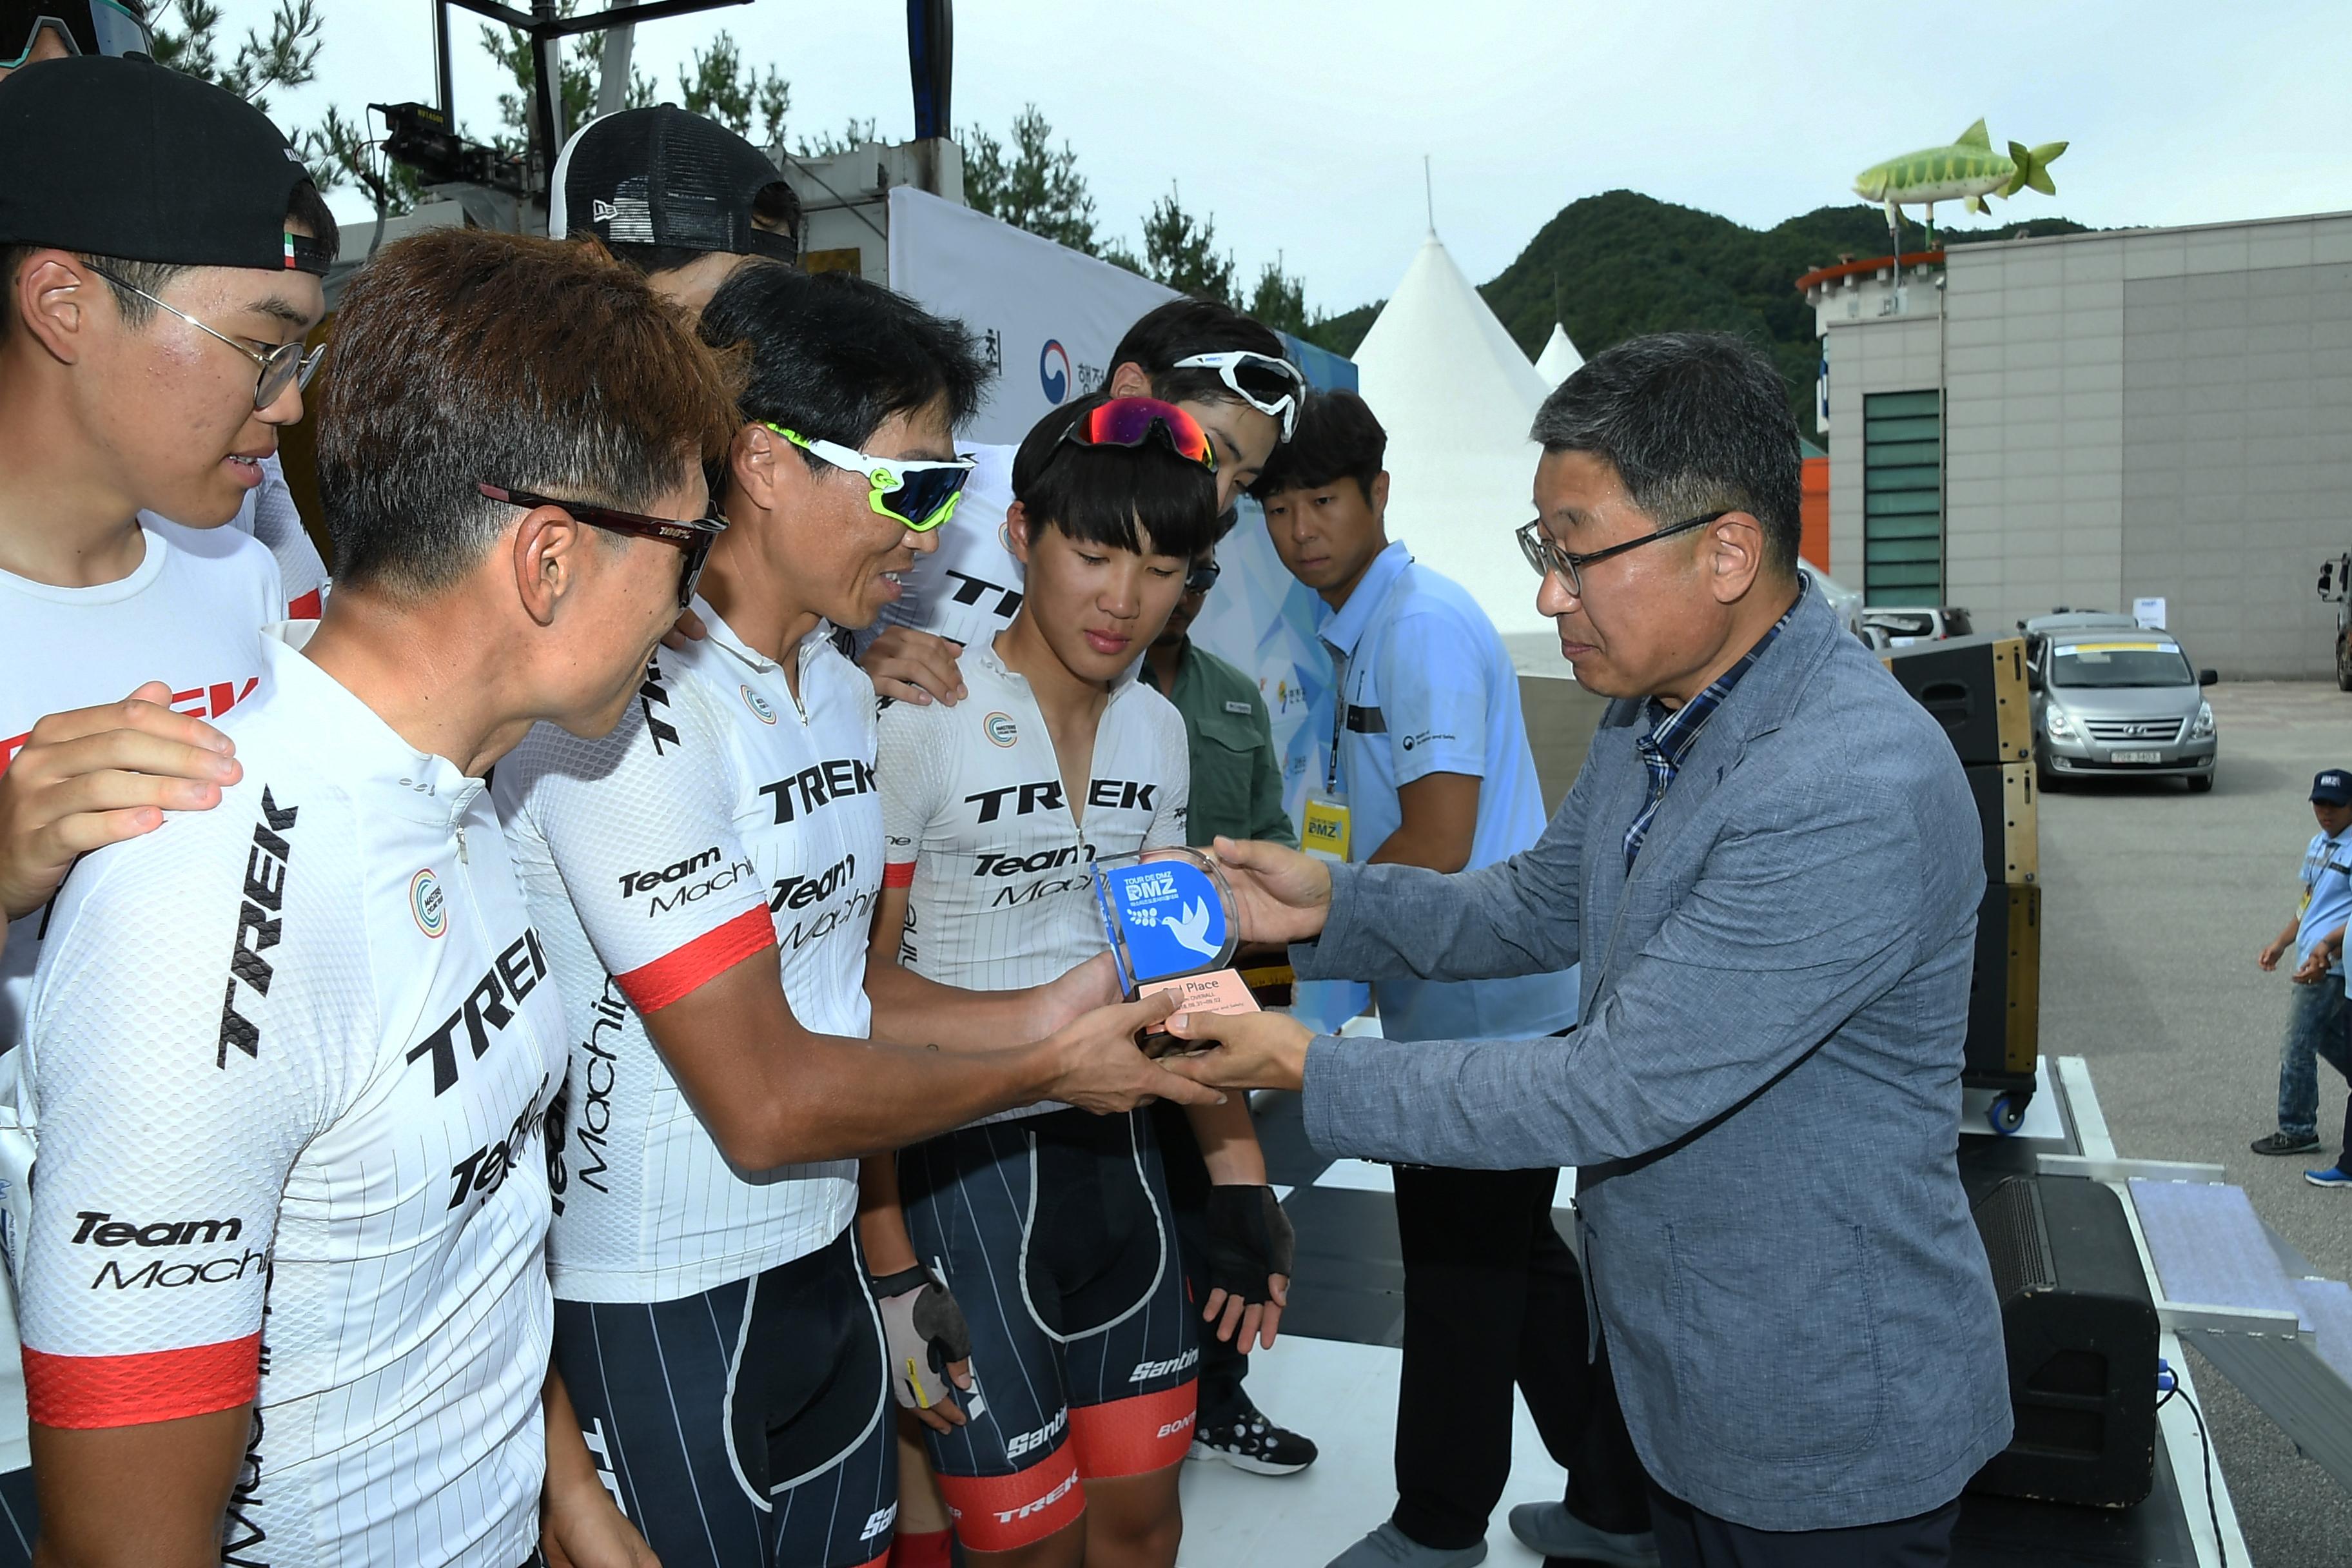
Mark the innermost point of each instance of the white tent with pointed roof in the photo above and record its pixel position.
(1560, 359)
(1456, 396)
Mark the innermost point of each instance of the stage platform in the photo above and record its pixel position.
(1334, 1378)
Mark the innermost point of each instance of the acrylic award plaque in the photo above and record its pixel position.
(1170, 922)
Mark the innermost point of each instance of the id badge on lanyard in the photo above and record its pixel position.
(1323, 829)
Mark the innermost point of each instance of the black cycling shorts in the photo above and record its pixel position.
(1054, 1233)
(746, 1426)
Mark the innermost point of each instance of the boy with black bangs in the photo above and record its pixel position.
(1052, 1225)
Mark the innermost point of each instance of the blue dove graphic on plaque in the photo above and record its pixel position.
(1165, 917)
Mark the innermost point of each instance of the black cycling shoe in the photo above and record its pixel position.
(1248, 1441)
(2285, 1143)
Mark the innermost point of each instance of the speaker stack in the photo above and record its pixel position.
(1975, 688)
(2082, 1338)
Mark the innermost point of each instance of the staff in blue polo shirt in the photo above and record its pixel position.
(2316, 1020)
(1429, 766)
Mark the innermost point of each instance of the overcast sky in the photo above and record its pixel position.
(1301, 124)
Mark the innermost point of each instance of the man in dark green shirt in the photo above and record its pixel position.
(1236, 779)
(1237, 791)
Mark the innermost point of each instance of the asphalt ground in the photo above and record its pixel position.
(2155, 902)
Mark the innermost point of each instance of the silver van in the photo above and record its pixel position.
(2114, 699)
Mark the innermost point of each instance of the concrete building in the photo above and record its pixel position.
(2096, 418)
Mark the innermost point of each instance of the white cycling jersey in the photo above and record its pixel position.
(269, 514)
(190, 614)
(970, 586)
(295, 1052)
(721, 820)
(995, 859)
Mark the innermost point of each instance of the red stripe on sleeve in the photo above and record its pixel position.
(655, 985)
(87, 1391)
(897, 873)
(307, 607)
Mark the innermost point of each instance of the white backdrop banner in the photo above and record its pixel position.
(1047, 316)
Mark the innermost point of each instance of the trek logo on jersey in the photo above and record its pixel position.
(971, 590)
(800, 892)
(208, 701)
(1006, 1516)
(99, 1228)
(1147, 1370)
(761, 709)
(1021, 1443)
(818, 784)
(428, 905)
(988, 863)
(1111, 794)
(258, 926)
(652, 693)
(636, 882)
(514, 974)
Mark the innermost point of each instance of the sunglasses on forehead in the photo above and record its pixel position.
(693, 536)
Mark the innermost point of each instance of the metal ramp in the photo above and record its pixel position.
(2221, 1287)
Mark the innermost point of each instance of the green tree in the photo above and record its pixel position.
(1280, 299)
(721, 87)
(827, 144)
(1033, 185)
(1180, 251)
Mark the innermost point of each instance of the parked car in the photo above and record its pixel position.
(1904, 625)
(2114, 699)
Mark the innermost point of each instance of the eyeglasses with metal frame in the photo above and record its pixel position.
(693, 536)
(275, 369)
(1548, 558)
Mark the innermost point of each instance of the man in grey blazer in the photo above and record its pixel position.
(1769, 868)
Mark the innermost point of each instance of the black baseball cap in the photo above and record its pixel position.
(119, 156)
(664, 176)
(2332, 787)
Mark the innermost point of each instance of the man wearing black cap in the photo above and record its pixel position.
(680, 197)
(161, 248)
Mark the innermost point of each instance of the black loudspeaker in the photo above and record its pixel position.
(1975, 687)
(2005, 991)
(2082, 1335)
(2006, 810)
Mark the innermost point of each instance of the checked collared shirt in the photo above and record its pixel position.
(1672, 734)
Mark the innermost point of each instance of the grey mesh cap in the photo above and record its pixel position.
(664, 176)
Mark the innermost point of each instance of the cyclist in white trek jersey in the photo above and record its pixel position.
(1221, 367)
(100, 596)
(706, 876)
(339, 1021)
(1052, 1226)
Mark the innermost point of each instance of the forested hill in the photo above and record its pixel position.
(1621, 263)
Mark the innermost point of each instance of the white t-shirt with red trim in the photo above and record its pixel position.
(723, 819)
(996, 864)
(296, 1053)
(189, 614)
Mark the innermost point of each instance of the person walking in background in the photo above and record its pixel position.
(2316, 1011)
(1429, 766)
